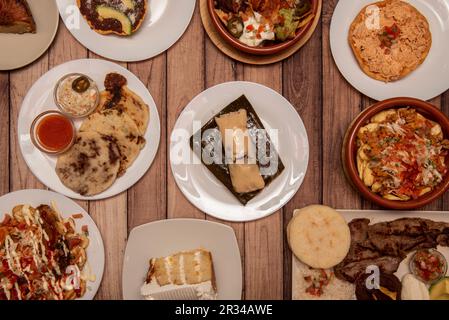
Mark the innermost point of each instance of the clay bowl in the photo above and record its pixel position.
(349, 152)
(266, 50)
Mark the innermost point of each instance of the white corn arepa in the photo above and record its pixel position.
(319, 236)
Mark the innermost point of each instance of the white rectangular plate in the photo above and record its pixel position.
(380, 216)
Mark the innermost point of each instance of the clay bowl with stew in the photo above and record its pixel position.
(350, 147)
(268, 49)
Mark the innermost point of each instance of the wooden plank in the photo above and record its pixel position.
(341, 104)
(4, 133)
(111, 218)
(185, 79)
(302, 87)
(65, 48)
(147, 200)
(264, 238)
(20, 82)
(219, 69)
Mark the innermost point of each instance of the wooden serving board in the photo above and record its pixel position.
(244, 57)
(380, 216)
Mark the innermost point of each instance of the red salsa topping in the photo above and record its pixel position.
(318, 283)
(429, 265)
(389, 35)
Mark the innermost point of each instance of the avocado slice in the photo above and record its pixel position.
(128, 4)
(106, 12)
(440, 290)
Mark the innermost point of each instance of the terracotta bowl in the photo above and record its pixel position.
(349, 151)
(266, 50)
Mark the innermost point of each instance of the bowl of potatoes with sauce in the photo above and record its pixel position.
(396, 153)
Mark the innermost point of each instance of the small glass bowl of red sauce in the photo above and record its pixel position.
(428, 265)
(52, 132)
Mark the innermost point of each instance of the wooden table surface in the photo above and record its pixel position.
(309, 80)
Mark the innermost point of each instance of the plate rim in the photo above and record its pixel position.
(169, 221)
(102, 254)
(156, 116)
(307, 147)
(353, 83)
(46, 47)
(124, 59)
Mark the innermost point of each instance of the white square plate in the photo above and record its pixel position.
(166, 237)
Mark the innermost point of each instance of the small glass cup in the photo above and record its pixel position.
(433, 252)
(63, 109)
(35, 137)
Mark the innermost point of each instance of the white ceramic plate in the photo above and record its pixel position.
(428, 81)
(381, 216)
(165, 23)
(66, 207)
(18, 50)
(201, 187)
(166, 237)
(40, 99)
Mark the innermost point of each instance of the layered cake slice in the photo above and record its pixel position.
(16, 17)
(191, 269)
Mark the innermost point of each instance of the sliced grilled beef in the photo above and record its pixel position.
(386, 244)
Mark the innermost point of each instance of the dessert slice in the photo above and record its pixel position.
(191, 269)
(16, 17)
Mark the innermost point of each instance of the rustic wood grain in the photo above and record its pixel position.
(111, 218)
(185, 79)
(341, 104)
(264, 238)
(219, 69)
(302, 87)
(147, 200)
(4, 133)
(20, 82)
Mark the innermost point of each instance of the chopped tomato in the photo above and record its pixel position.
(73, 242)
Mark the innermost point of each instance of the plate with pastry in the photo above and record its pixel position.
(392, 48)
(27, 29)
(89, 134)
(239, 151)
(51, 248)
(141, 29)
(200, 263)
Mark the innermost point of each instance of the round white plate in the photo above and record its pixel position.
(67, 208)
(201, 187)
(18, 50)
(428, 81)
(166, 237)
(40, 99)
(165, 23)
